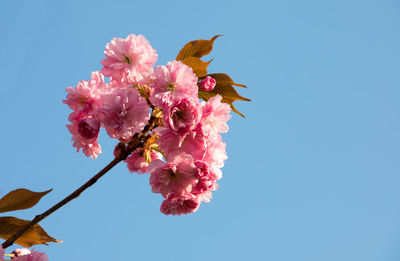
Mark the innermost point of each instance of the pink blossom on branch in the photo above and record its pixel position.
(182, 149)
(137, 163)
(176, 176)
(193, 143)
(173, 80)
(181, 114)
(177, 204)
(129, 60)
(215, 114)
(124, 113)
(215, 154)
(85, 98)
(206, 178)
(85, 133)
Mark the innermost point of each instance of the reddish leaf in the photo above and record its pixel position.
(34, 236)
(20, 199)
(197, 48)
(224, 79)
(198, 66)
(224, 88)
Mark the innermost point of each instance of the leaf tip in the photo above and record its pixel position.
(216, 36)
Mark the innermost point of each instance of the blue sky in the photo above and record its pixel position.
(313, 171)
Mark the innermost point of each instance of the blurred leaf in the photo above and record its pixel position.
(224, 87)
(197, 48)
(33, 236)
(198, 66)
(20, 199)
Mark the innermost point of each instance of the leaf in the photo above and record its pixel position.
(224, 88)
(223, 78)
(198, 66)
(197, 48)
(33, 236)
(20, 199)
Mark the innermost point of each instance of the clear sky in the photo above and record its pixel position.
(313, 171)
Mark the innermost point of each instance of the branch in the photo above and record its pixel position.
(136, 142)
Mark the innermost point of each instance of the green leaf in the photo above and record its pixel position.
(197, 48)
(20, 199)
(34, 236)
(224, 87)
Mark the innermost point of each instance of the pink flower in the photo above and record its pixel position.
(21, 252)
(206, 181)
(215, 115)
(176, 176)
(1, 252)
(206, 196)
(177, 204)
(85, 133)
(124, 113)
(181, 115)
(85, 97)
(204, 171)
(137, 163)
(215, 154)
(194, 143)
(173, 80)
(34, 256)
(129, 60)
(207, 84)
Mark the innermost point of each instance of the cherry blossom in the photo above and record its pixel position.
(129, 60)
(173, 80)
(124, 113)
(177, 138)
(177, 204)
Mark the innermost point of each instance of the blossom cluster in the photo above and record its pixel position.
(183, 150)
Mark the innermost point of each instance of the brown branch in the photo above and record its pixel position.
(136, 142)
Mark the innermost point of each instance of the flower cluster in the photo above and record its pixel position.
(181, 149)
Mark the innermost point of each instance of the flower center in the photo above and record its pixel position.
(126, 59)
(171, 173)
(178, 115)
(171, 86)
(88, 129)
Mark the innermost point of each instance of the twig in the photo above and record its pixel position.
(136, 142)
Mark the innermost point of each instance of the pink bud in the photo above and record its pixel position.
(207, 84)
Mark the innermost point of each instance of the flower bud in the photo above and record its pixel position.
(207, 84)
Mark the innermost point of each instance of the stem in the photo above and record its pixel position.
(73, 195)
(136, 142)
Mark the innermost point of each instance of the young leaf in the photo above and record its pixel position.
(198, 66)
(20, 199)
(224, 87)
(197, 48)
(34, 236)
